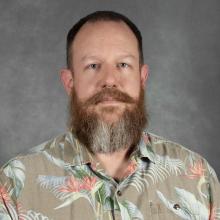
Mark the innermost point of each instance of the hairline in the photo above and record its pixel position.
(92, 21)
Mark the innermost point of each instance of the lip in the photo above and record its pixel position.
(108, 99)
(110, 102)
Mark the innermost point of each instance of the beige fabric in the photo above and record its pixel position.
(60, 179)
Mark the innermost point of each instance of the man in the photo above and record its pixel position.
(107, 165)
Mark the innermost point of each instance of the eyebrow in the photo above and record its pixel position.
(128, 56)
(95, 57)
(88, 57)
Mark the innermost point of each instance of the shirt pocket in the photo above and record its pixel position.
(160, 212)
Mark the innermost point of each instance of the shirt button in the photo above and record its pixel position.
(176, 206)
(119, 193)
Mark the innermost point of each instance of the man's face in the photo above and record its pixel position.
(105, 54)
(107, 80)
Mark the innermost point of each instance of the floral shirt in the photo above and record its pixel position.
(60, 179)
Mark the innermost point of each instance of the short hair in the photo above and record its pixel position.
(102, 16)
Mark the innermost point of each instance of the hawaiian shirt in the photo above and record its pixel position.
(60, 179)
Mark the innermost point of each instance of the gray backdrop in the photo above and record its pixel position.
(181, 46)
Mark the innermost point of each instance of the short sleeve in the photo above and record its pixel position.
(214, 192)
(8, 208)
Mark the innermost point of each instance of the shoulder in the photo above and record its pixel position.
(36, 154)
(162, 145)
(169, 149)
(51, 158)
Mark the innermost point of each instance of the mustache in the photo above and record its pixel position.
(109, 94)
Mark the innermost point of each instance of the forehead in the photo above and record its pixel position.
(104, 37)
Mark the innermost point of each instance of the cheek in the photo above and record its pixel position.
(133, 88)
(84, 90)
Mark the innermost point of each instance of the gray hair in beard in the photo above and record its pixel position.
(99, 136)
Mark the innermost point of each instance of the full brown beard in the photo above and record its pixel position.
(101, 136)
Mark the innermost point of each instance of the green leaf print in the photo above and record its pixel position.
(129, 211)
(4, 216)
(16, 171)
(68, 188)
(81, 172)
(186, 206)
(103, 193)
(58, 162)
(72, 197)
(32, 215)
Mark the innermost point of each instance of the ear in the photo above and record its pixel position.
(144, 75)
(67, 80)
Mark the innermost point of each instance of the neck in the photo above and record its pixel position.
(115, 163)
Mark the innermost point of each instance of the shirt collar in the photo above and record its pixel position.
(145, 147)
(76, 154)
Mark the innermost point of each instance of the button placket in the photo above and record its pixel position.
(119, 193)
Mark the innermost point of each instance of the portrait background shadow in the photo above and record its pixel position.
(181, 46)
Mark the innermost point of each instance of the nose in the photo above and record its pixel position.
(109, 77)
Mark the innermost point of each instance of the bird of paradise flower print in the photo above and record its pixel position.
(11, 210)
(4, 195)
(73, 185)
(162, 179)
(197, 171)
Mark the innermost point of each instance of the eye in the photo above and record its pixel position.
(123, 65)
(93, 66)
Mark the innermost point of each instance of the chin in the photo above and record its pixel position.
(109, 110)
(111, 120)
